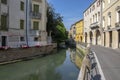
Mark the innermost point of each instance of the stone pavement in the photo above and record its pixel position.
(109, 60)
(92, 73)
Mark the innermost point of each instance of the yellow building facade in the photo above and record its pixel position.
(79, 31)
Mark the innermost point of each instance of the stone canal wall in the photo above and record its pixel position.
(11, 55)
(85, 63)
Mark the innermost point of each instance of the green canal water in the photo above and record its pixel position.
(63, 65)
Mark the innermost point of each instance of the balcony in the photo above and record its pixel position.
(35, 32)
(109, 26)
(117, 24)
(94, 25)
(35, 15)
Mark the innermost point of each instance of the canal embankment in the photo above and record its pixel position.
(85, 67)
(61, 65)
(18, 54)
(90, 69)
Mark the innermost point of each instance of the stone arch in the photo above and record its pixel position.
(85, 37)
(98, 37)
(91, 37)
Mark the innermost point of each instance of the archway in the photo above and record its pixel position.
(98, 37)
(85, 37)
(118, 38)
(80, 38)
(91, 37)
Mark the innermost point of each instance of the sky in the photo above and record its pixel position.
(71, 10)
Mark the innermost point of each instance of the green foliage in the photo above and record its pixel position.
(55, 25)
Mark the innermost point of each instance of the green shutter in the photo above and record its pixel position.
(36, 25)
(4, 1)
(36, 8)
(21, 24)
(3, 22)
(22, 6)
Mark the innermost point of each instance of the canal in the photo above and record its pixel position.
(63, 65)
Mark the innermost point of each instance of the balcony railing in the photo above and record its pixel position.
(35, 15)
(117, 24)
(94, 25)
(35, 32)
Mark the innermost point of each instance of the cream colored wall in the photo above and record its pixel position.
(87, 22)
(111, 7)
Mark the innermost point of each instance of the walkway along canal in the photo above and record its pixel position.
(63, 65)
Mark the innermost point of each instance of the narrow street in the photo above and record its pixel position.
(109, 61)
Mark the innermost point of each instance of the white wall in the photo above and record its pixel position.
(15, 15)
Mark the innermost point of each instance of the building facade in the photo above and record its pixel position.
(111, 23)
(72, 32)
(23, 22)
(3, 22)
(17, 23)
(92, 24)
(37, 20)
(79, 31)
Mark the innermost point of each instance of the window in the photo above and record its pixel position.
(103, 6)
(35, 38)
(119, 16)
(93, 19)
(98, 3)
(36, 25)
(90, 20)
(109, 1)
(90, 10)
(93, 7)
(96, 17)
(36, 8)
(21, 24)
(22, 39)
(4, 1)
(22, 6)
(109, 18)
(3, 22)
(103, 21)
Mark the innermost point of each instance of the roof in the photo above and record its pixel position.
(79, 21)
(90, 6)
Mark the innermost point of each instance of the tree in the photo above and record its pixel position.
(55, 25)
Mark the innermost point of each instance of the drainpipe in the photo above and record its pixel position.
(101, 22)
(27, 5)
(101, 15)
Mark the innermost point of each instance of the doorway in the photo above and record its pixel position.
(119, 39)
(110, 38)
(4, 38)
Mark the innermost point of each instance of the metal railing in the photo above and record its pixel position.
(117, 24)
(94, 25)
(36, 15)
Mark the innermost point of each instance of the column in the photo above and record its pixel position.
(115, 39)
(107, 39)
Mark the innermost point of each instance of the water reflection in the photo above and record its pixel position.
(76, 57)
(53, 67)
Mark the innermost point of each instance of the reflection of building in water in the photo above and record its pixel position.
(72, 55)
(76, 57)
(78, 60)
